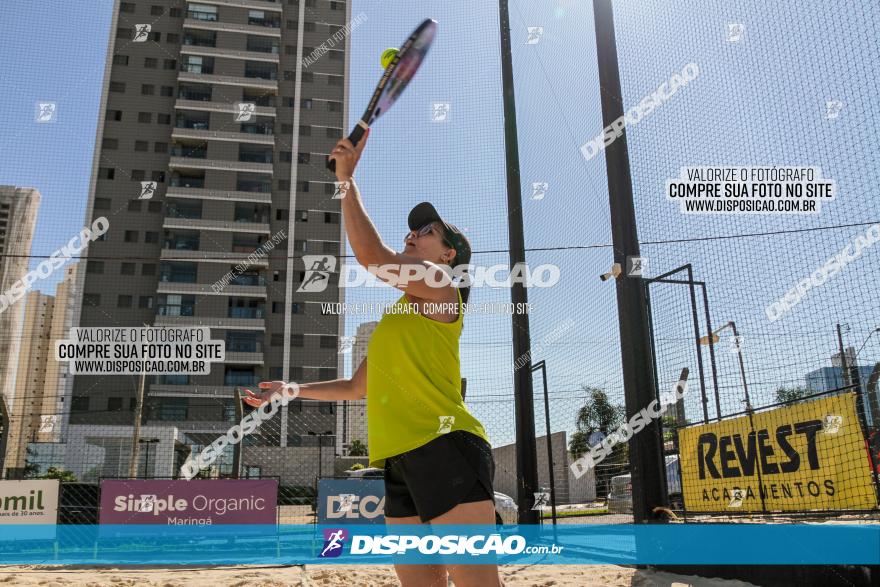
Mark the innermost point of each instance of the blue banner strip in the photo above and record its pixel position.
(706, 544)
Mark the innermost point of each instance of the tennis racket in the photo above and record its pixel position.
(394, 80)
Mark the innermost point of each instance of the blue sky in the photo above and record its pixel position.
(759, 101)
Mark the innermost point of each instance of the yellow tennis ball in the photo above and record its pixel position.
(387, 56)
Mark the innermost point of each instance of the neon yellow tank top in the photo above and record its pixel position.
(414, 383)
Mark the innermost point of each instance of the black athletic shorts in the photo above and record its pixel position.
(456, 467)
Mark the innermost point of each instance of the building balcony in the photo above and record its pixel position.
(232, 109)
(229, 53)
(241, 358)
(219, 165)
(229, 80)
(216, 225)
(220, 195)
(219, 135)
(218, 391)
(213, 322)
(211, 257)
(244, 291)
(248, 29)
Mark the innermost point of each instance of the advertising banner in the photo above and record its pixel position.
(30, 502)
(201, 502)
(351, 501)
(808, 455)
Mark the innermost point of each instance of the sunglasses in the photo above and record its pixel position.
(426, 230)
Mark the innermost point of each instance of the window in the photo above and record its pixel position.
(305, 130)
(158, 176)
(286, 156)
(277, 307)
(337, 6)
(106, 173)
(134, 206)
(331, 247)
(127, 269)
(114, 115)
(308, 77)
(80, 404)
(333, 133)
(302, 215)
(148, 89)
(172, 409)
(151, 237)
(169, 64)
(127, 7)
(334, 80)
(175, 13)
(154, 206)
(327, 374)
(117, 87)
(160, 148)
(297, 308)
(303, 158)
(336, 55)
(281, 214)
(96, 267)
(306, 104)
(145, 302)
(328, 342)
(141, 145)
(145, 117)
(278, 276)
(151, 62)
(163, 119)
(110, 144)
(157, 10)
(114, 404)
(102, 203)
(138, 174)
(167, 91)
(148, 269)
(124, 301)
(120, 60)
(331, 217)
(300, 245)
(92, 299)
(173, 38)
(156, 37)
(334, 106)
(296, 340)
(131, 236)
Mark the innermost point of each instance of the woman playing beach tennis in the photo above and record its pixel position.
(436, 455)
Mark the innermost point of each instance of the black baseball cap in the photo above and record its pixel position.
(425, 213)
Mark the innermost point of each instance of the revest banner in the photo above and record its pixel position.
(808, 455)
(199, 502)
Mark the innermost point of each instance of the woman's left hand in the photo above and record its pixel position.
(347, 156)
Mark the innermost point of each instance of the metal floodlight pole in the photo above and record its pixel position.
(526, 453)
(646, 449)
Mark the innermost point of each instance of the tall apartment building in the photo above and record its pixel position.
(352, 420)
(18, 217)
(212, 101)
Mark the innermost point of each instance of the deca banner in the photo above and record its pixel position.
(203, 502)
(808, 455)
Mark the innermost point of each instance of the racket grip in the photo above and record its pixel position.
(355, 137)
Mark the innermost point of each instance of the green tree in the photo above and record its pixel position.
(791, 394)
(60, 474)
(357, 449)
